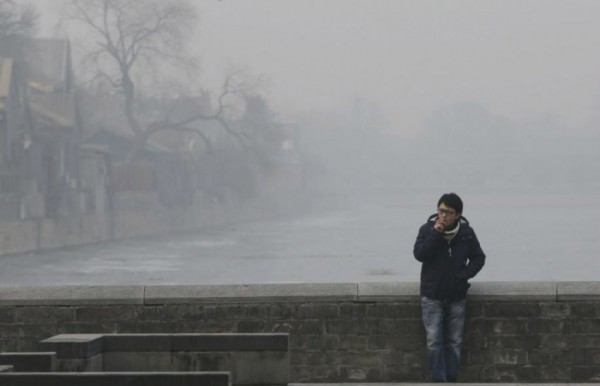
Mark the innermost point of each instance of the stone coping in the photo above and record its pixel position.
(433, 384)
(88, 345)
(284, 293)
(205, 378)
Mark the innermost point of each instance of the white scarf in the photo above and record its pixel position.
(449, 235)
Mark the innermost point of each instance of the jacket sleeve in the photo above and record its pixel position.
(428, 240)
(476, 260)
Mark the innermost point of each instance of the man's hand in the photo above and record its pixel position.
(439, 225)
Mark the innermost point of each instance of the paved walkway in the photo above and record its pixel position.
(431, 384)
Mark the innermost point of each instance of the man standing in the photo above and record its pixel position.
(450, 255)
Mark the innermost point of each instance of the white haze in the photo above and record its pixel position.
(517, 58)
(440, 94)
(496, 99)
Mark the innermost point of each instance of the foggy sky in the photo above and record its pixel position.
(518, 58)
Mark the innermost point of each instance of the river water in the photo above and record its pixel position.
(525, 236)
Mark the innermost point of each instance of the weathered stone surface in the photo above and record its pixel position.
(367, 332)
(512, 291)
(370, 292)
(73, 345)
(112, 379)
(578, 291)
(313, 292)
(29, 361)
(254, 358)
(71, 295)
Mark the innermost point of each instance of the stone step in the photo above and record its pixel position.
(432, 384)
(29, 361)
(112, 379)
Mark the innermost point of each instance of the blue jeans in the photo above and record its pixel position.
(444, 323)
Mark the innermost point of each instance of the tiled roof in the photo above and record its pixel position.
(47, 60)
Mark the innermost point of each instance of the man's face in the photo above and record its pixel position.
(447, 215)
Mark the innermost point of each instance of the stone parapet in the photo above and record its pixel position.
(284, 293)
(338, 332)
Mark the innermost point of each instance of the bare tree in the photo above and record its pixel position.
(17, 19)
(146, 38)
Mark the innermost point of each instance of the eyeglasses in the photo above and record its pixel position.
(446, 212)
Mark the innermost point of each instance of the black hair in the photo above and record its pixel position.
(451, 200)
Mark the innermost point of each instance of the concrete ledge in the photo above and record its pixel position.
(436, 384)
(377, 292)
(251, 293)
(578, 291)
(29, 361)
(305, 292)
(71, 295)
(215, 378)
(513, 291)
(69, 346)
(252, 358)
(196, 342)
(73, 345)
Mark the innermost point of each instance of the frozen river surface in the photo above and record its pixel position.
(526, 237)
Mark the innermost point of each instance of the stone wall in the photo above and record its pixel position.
(517, 332)
(144, 216)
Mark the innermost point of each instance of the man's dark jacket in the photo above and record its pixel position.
(447, 265)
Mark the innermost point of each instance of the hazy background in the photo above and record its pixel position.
(395, 102)
(523, 59)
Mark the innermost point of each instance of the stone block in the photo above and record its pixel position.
(256, 368)
(250, 326)
(318, 311)
(101, 314)
(584, 374)
(196, 342)
(578, 291)
(73, 345)
(138, 342)
(585, 310)
(112, 379)
(555, 342)
(7, 314)
(395, 291)
(93, 363)
(258, 293)
(554, 374)
(556, 310)
(247, 368)
(527, 342)
(145, 361)
(512, 310)
(231, 342)
(29, 361)
(550, 326)
(44, 314)
(487, 327)
(505, 357)
(512, 291)
(71, 295)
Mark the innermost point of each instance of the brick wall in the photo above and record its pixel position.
(516, 332)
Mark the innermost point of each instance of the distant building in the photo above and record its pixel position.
(42, 132)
